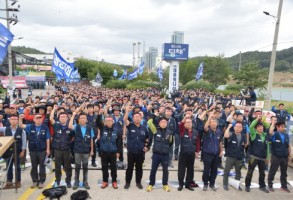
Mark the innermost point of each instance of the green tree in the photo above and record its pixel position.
(251, 75)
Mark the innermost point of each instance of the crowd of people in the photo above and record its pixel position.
(78, 121)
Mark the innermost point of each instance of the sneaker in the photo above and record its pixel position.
(205, 188)
(247, 189)
(167, 188)
(180, 187)
(149, 188)
(18, 184)
(264, 189)
(8, 185)
(226, 187)
(35, 184)
(57, 183)
(139, 185)
(285, 189)
(271, 189)
(213, 188)
(86, 186)
(104, 185)
(114, 185)
(75, 187)
(68, 184)
(126, 186)
(41, 185)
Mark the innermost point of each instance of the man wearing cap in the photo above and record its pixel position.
(163, 139)
(258, 154)
(110, 143)
(119, 125)
(20, 109)
(38, 136)
(281, 153)
(61, 143)
(137, 141)
(20, 138)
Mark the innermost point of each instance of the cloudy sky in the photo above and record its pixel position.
(98, 29)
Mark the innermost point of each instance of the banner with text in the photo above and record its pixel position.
(6, 38)
(62, 68)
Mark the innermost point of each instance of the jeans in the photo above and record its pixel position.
(156, 160)
(210, 167)
(10, 169)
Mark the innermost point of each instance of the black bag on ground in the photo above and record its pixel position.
(55, 192)
(80, 195)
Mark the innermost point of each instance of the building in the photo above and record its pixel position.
(151, 58)
(177, 37)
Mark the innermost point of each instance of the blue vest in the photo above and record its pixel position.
(136, 137)
(211, 141)
(258, 148)
(37, 140)
(188, 144)
(119, 123)
(233, 148)
(280, 147)
(162, 141)
(18, 137)
(82, 144)
(46, 120)
(62, 138)
(108, 140)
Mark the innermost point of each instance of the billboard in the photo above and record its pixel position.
(173, 51)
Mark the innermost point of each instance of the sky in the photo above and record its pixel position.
(98, 29)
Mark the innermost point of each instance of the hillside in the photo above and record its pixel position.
(26, 50)
(284, 59)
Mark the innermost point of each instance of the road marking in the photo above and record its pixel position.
(41, 196)
(27, 193)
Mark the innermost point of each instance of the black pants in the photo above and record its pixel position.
(277, 162)
(95, 152)
(252, 163)
(136, 159)
(186, 161)
(120, 151)
(210, 167)
(106, 158)
(158, 159)
(62, 157)
(37, 159)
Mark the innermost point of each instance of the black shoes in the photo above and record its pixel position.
(226, 187)
(264, 189)
(205, 188)
(213, 188)
(189, 188)
(139, 185)
(180, 187)
(126, 186)
(247, 189)
(94, 164)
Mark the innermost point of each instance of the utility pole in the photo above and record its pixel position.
(133, 64)
(274, 51)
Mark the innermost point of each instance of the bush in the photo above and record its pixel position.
(199, 84)
(234, 87)
(120, 84)
(141, 84)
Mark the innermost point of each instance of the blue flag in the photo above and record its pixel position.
(124, 75)
(141, 67)
(99, 78)
(160, 72)
(115, 73)
(199, 73)
(133, 74)
(6, 38)
(61, 67)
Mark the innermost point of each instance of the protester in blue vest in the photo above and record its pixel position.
(91, 121)
(38, 136)
(83, 146)
(236, 142)
(189, 148)
(212, 149)
(61, 143)
(281, 114)
(258, 154)
(163, 139)
(280, 154)
(110, 143)
(119, 124)
(20, 138)
(137, 141)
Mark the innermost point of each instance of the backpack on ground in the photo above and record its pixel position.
(55, 192)
(80, 195)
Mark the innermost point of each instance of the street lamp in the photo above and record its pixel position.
(273, 56)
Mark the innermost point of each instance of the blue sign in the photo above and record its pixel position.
(173, 51)
(61, 67)
(6, 38)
